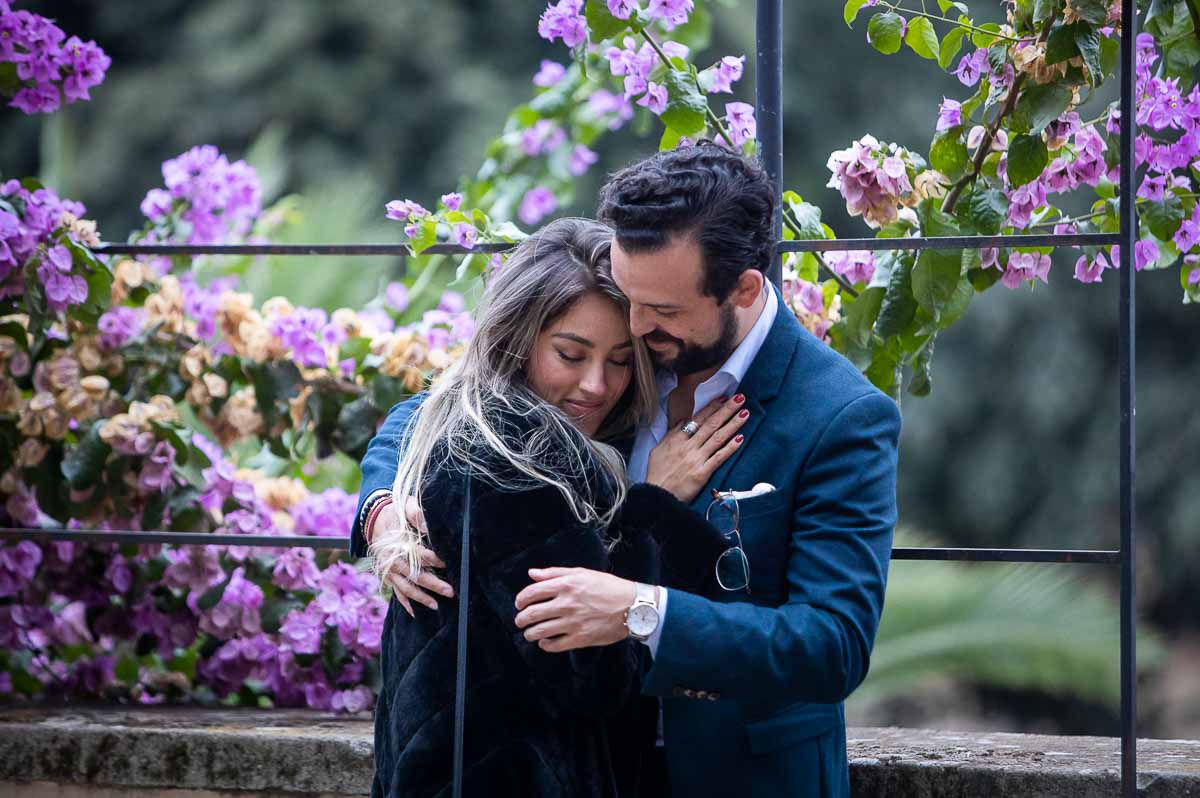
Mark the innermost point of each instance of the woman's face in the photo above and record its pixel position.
(583, 362)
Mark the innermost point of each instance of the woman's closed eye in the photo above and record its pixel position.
(569, 358)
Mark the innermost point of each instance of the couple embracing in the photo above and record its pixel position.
(679, 506)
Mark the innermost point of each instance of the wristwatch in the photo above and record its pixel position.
(641, 619)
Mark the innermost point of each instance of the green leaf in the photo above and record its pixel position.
(357, 348)
(425, 238)
(935, 277)
(948, 153)
(1163, 218)
(1110, 56)
(1087, 39)
(986, 35)
(986, 210)
(126, 670)
(898, 307)
(601, 23)
(809, 218)
(861, 315)
(1061, 46)
(850, 12)
(685, 104)
(16, 332)
(356, 426)
(670, 139)
(884, 31)
(934, 221)
(952, 42)
(1027, 159)
(956, 306)
(922, 380)
(212, 597)
(922, 38)
(83, 462)
(1093, 11)
(275, 610)
(1039, 106)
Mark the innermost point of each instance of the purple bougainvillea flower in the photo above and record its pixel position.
(725, 73)
(537, 204)
(949, 114)
(549, 74)
(739, 118)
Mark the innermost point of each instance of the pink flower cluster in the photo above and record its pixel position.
(35, 217)
(49, 65)
(873, 179)
(217, 201)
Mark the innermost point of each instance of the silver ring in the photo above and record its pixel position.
(691, 428)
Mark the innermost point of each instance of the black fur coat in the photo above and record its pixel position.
(537, 724)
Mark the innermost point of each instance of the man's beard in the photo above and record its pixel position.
(693, 358)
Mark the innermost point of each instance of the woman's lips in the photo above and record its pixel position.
(583, 408)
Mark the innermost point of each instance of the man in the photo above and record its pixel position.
(752, 678)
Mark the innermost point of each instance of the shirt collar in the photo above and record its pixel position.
(733, 371)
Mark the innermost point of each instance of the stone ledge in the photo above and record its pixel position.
(158, 751)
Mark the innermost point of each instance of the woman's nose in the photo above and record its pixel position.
(593, 382)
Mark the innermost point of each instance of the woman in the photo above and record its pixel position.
(551, 373)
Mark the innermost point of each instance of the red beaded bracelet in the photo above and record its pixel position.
(376, 509)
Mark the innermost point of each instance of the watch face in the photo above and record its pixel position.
(643, 619)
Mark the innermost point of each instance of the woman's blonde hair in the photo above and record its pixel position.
(461, 423)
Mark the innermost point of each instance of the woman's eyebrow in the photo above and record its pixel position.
(579, 339)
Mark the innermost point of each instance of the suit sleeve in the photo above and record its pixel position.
(815, 646)
(379, 464)
(515, 531)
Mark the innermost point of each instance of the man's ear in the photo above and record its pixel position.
(748, 288)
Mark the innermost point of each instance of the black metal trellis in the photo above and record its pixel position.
(769, 83)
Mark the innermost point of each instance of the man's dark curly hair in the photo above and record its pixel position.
(721, 197)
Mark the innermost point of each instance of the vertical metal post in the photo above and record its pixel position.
(1127, 358)
(768, 82)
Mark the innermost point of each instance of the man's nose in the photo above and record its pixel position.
(639, 321)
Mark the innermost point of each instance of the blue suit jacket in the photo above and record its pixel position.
(753, 683)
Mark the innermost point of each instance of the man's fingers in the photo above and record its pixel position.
(542, 574)
(537, 592)
(538, 613)
(557, 645)
(547, 629)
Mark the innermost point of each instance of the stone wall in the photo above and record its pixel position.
(194, 753)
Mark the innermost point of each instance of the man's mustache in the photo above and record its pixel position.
(660, 337)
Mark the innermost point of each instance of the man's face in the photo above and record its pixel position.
(685, 330)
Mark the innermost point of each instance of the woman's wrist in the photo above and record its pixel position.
(373, 512)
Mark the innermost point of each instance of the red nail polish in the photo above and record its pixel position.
(739, 398)
(739, 438)
(744, 414)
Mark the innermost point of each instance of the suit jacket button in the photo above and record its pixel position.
(677, 691)
(713, 696)
(690, 693)
(702, 694)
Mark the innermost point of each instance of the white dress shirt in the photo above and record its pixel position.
(723, 383)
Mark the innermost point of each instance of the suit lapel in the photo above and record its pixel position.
(760, 385)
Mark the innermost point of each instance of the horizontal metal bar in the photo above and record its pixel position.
(1009, 555)
(392, 250)
(951, 242)
(179, 538)
(816, 245)
(321, 542)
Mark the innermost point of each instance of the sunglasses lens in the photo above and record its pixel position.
(723, 515)
(733, 571)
